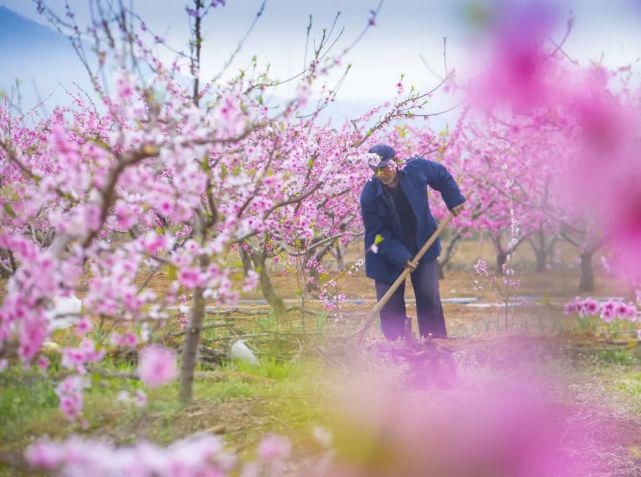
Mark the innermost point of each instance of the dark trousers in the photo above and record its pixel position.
(428, 304)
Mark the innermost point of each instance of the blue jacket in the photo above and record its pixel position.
(378, 217)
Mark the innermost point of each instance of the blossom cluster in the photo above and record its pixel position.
(608, 311)
(157, 366)
(200, 455)
(70, 393)
(78, 358)
(555, 138)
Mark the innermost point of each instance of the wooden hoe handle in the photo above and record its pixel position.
(371, 316)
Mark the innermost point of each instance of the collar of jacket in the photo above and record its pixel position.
(403, 183)
(379, 184)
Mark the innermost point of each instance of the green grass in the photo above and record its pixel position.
(630, 385)
(622, 357)
(24, 397)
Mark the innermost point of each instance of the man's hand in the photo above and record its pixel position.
(456, 211)
(410, 265)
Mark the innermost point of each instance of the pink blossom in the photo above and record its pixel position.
(70, 393)
(251, 281)
(83, 326)
(519, 70)
(33, 333)
(125, 216)
(621, 310)
(201, 455)
(624, 224)
(632, 313)
(191, 278)
(581, 309)
(274, 448)
(128, 340)
(125, 87)
(153, 243)
(157, 366)
(569, 308)
(468, 430)
(587, 307)
(43, 363)
(591, 306)
(77, 358)
(608, 311)
(44, 455)
(480, 268)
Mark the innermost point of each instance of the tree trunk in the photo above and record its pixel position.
(192, 340)
(541, 250)
(318, 257)
(313, 285)
(275, 302)
(587, 273)
(450, 250)
(190, 346)
(338, 255)
(501, 254)
(196, 318)
(541, 260)
(501, 260)
(245, 259)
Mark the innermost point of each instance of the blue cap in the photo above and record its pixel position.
(385, 154)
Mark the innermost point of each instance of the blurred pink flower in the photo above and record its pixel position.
(251, 281)
(274, 448)
(520, 70)
(191, 278)
(43, 363)
(570, 308)
(623, 225)
(128, 339)
(157, 366)
(125, 86)
(70, 393)
(509, 427)
(480, 268)
(200, 455)
(608, 311)
(83, 326)
(77, 358)
(592, 306)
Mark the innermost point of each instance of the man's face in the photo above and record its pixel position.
(387, 173)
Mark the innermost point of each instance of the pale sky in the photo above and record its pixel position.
(405, 30)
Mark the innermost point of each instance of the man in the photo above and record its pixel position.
(398, 221)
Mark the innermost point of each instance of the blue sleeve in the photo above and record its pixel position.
(438, 178)
(390, 248)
